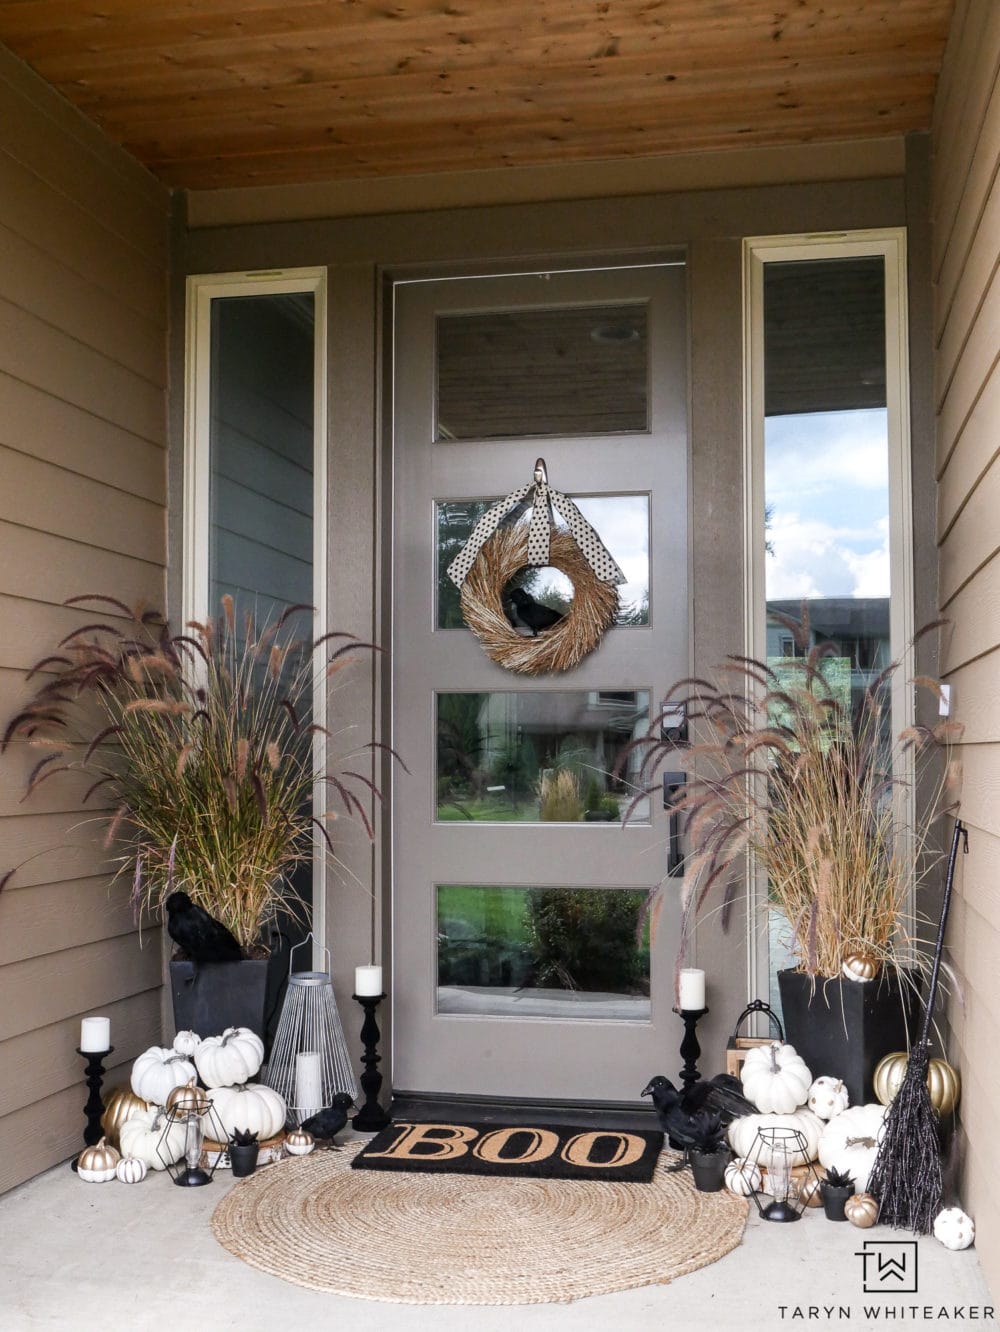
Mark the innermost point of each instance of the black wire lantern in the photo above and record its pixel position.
(778, 1151)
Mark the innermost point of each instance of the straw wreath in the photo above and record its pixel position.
(594, 607)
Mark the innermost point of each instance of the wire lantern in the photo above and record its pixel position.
(309, 1060)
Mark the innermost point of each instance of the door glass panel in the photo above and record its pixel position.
(535, 372)
(621, 521)
(826, 465)
(542, 952)
(538, 756)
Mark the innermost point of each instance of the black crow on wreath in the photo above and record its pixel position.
(326, 1124)
(201, 937)
(527, 613)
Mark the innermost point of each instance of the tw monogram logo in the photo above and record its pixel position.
(890, 1267)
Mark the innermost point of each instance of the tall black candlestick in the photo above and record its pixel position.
(371, 1117)
(94, 1108)
(690, 1049)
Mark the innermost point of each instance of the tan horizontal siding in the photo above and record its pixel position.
(965, 209)
(84, 239)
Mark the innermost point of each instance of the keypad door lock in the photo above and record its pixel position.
(673, 723)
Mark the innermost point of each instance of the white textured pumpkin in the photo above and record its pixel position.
(130, 1170)
(253, 1108)
(140, 1137)
(743, 1131)
(828, 1097)
(954, 1228)
(849, 1142)
(158, 1071)
(230, 1059)
(775, 1078)
(186, 1042)
(743, 1178)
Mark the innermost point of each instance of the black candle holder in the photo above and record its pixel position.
(371, 1117)
(690, 1049)
(94, 1108)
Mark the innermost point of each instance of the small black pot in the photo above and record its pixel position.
(243, 1158)
(834, 1200)
(709, 1169)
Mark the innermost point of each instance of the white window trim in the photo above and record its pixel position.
(202, 289)
(890, 243)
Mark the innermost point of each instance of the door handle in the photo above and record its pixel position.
(673, 789)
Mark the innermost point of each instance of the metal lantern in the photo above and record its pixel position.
(195, 1115)
(309, 1061)
(790, 1190)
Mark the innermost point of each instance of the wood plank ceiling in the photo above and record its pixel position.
(233, 92)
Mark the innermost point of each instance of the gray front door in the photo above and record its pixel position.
(521, 963)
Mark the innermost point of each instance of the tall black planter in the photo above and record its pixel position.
(843, 1028)
(214, 996)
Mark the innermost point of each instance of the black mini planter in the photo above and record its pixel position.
(243, 1158)
(842, 1028)
(834, 1201)
(709, 1169)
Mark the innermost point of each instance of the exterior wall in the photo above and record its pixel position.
(710, 226)
(83, 268)
(966, 245)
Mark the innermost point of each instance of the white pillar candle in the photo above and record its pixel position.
(95, 1035)
(368, 980)
(308, 1081)
(691, 992)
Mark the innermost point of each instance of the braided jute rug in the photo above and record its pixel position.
(469, 1239)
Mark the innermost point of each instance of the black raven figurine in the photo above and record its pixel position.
(678, 1111)
(327, 1123)
(201, 936)
(527, 613)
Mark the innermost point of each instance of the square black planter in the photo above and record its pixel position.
(843, 1028)
(216, 995)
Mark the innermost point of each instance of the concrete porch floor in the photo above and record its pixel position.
(112, 1258)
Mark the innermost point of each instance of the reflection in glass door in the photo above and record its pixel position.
(522, 960)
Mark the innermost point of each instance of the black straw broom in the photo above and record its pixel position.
(906, 1178)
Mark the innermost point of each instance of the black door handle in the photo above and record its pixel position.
(673, 789)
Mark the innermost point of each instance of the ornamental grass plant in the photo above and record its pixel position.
(814, 788)
(203, 746)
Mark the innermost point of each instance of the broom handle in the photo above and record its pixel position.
(960, 833)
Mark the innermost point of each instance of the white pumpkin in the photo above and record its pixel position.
(130, 1170)
(253, 1108)
(186, 1042)
(828, 1097)
(140, 1137)
(849, 1142)
(230, 1059)
(743, 1178)
(158, 1071)
(954, 1228)
(775, 1078)
(743, 1131)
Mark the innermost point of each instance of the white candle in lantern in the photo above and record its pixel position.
(368, 981)
(95, 1035)
(691, 992)
(308, 1081)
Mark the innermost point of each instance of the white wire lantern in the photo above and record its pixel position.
(309, 1061)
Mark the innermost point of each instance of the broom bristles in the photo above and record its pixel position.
(906, 1178)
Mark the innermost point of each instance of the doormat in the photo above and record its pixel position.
(467, 1239)
(538, 1151)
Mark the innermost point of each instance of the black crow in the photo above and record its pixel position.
(327, 1123)
(527, 613)
(678, 1111)
(201, 936)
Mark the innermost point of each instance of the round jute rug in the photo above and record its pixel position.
(468, 1239)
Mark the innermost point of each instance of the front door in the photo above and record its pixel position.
(522, 962)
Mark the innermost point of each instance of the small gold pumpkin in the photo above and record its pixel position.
(809, 1191)
(97, 1164)
(943, 1081)
(861, 1210)
(186, 1098)
(299, 1142)
(119, 1107)
(860, 967)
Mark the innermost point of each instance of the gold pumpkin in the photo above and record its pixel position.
(119, 1106)
(809, 1192)
(96, 1164)
(860, 967)
(299, 1142)
(943, 1081)
(861, 1210)
(188, 1097)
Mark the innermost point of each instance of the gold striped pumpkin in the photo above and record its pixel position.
(943, 1081)
(120, 1105)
